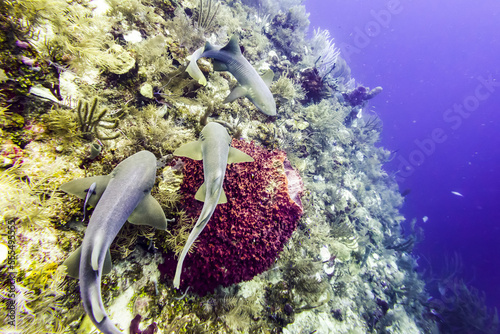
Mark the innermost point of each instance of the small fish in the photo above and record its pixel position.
(90, 192)
(425, 219)
(406, 192)
(457, 193)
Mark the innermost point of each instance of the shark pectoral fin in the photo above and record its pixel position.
(232, 46)
(219, 66)
(190, 150)
(236, 155)
(73, 263)
(149, 212)
(193, 69)
(222, 198)
(237, 92)
(95, 306)
(201, 193)
(106, 268)
(268, 77)
(80, 187)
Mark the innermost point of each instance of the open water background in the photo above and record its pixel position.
(440, 113)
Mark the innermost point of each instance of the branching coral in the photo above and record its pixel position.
(206, 13)
(285, 88)
(92, 120)
(19, 203)
(349, 207)
(287, 31)
(73, 40)
(87, 121)
(176, 242)
(461, 309)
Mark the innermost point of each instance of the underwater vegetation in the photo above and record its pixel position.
(456, 306)
(461, 309)
(310, 239)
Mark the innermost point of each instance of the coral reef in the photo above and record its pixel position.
(75, 72)
(361, 94)
(461, 309)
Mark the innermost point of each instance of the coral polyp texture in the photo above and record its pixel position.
(245, 235)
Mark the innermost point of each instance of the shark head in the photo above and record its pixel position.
(215, 130)
(265, 104)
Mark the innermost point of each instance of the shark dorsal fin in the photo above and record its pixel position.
(268, 77)
(208, 46)
(190, 150)
(223, 197)
(108, 265)
(73, 263)
(202, 192)
(236, 155)
(232, 46)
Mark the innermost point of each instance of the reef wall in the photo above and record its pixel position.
(85, 84)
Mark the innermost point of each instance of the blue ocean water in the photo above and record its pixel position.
(439, 65)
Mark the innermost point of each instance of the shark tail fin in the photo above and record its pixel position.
(236, 155)
(197, 229)
(232, 46)
(193, 69)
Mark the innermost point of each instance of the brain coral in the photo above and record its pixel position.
(246, 234)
